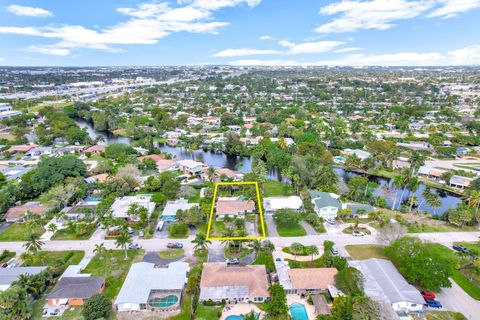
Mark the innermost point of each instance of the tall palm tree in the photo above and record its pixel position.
(426, 194)
(249, 316)
(255, 245)
(413, 185)
(434, 202)
(52, 227)
(416, 161)
(201, 242)
(33, 244)
(99, 249)
(296, 248)
(228, 234)
(211, 174)
(123, 240)
(326, 175)
(312, 250)
(473, 200)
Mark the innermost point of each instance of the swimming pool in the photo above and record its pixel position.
(298, 312)
(91, 199)
(234, 318)
(164, 302)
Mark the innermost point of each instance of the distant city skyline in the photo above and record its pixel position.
(240, 32)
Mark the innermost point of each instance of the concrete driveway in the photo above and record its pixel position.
(216, 252)
(455, 299)
(271, 226)
(4, 226)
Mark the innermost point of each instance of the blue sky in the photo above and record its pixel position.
(240, 32)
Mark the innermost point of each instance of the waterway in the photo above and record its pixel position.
(244, 165)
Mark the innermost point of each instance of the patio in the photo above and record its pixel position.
(239, 309)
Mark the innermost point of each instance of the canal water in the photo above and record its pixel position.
(244, 165)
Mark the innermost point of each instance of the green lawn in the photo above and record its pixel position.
(303, 253)
(293, 230)
(265, 259)
(50, 258)
(275, 188)
(186, 312)
(171, 253)
(208, 313)
(19, 232)
(350, 229)
(65, 234)
(419, 228)
(444, 315)
(217, 229)
(113, 266)
(6, 255)
(365, 251)
(318, 263)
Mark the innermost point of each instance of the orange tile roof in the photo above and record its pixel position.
(312, 278)
(156, 157)
(233, 207)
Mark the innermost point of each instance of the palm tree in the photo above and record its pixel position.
(211, 173)
(249, 316)
(326, 175)
(413, 186)
(312, 250)
(473, 199)
(52, 227)
(255, 245)
(268, 246)
(33, 244)
(434, 202)
(123, 240)
(201, 242)
(296, 248)
(426, 194)
(416, 161)
(99, 249)
(228, 234)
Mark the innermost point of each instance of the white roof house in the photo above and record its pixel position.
(272, 204)
(145, 284)
(361, 154)
(169, 213)
(190, 166)
(120, 206)
(383, 282)
(460, 182)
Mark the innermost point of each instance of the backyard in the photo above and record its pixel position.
(275, 188)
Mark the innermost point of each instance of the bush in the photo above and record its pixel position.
(177, 230)
(209, 303)
(98, 306)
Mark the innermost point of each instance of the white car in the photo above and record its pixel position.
(356, 233)
(330, 221)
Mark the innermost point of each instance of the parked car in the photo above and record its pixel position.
(141, 234)
(134, 246)
(233, 261)
(334, 251)
(432, 303)
(130, 230)
(460, 248)
(174, 245)
(428, 295)
(357, 233)
(330, 221)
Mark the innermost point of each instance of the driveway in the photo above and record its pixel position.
(332, 229)
(455, 299)
(251, 227)
(308, 228)
(216, 252)
(271, 226)
(4, 226)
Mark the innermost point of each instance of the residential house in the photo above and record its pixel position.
(223, 174)
(79, 211)
(461, 152)
(233, 284)
(190, 167)
(358, 210)
(416, 145)
(19, 213)
(233, 207)
(383, 283)
(154, 157)
(95, 150)
(326, 204)
(21, 148)
(10, 275)
(74, 291)
(272, 204)
(169, 213)
(165, 165)
(120, 206)
(147, 287)
(361, 154)
(460, 182)
(430, 172)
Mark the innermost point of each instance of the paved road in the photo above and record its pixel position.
(455, 299)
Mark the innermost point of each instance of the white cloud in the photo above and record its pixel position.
(266, 37)
(244, 52)
(391, 59)
(451, 8)
(28, 11)
(466, 56)
(147, 24)
(254, 62)
(349, 49)
(310, 47)
(373, 14)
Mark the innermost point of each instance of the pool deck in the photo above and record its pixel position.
(239, 309)
(294, 298)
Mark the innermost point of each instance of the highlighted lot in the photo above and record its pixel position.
(228, 214)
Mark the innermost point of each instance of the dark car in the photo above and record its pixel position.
(428, 295)
(174, 245)
(233, 261)
(460, 248)
(432, 303)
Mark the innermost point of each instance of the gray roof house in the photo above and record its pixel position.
(326, 204)
(9, 275)
(384, 283)
(149, 287)
(460, 182)
(75, 290)
(169, 213)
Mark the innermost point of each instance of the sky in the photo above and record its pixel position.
(239, 32)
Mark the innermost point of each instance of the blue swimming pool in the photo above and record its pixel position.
(298, 312)
(91, 199)
(234, 318)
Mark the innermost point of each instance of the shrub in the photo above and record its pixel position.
(98, 306)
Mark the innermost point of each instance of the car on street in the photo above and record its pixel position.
(330, 221)
(460, 248)
(334, 251)
(357, 233)
(233, 261)
(432, 303)
(428, 295)
(174, 245)
(134, 246)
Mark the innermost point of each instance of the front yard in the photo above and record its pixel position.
(112, 265)
(67, 234)
(365, 251)
(19, 232)
(292, 230)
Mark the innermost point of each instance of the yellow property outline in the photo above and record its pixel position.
(263, 236)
